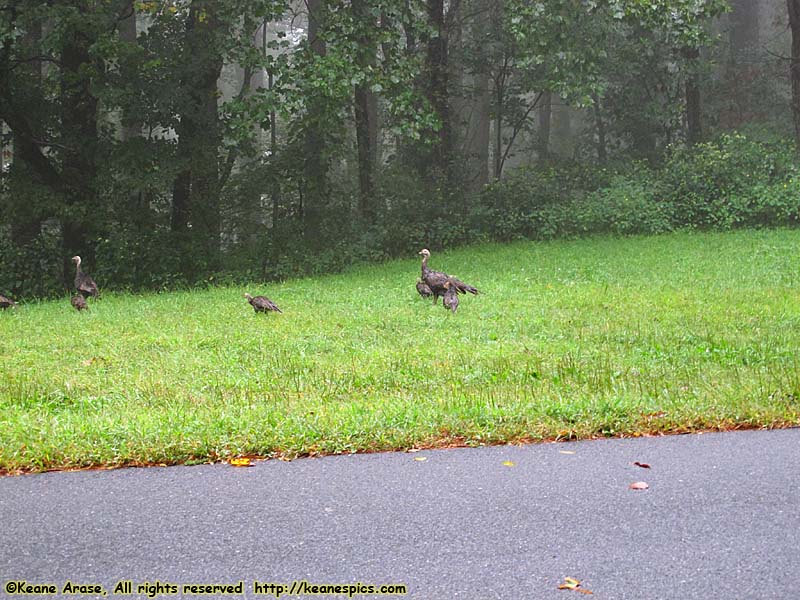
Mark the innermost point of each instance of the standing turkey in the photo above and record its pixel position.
(262, 304)
(436, 280)
(7, 303)
(79, 302)
(83, 282)
(450, 298)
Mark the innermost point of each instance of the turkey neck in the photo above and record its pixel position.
(425, 268)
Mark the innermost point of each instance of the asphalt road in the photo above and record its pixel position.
(721, 519)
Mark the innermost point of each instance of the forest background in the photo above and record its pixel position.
(191, 142)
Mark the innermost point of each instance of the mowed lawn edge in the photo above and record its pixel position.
(567, 340)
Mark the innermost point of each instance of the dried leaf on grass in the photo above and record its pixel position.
(95, 359)
(240, 462)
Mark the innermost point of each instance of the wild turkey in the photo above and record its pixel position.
(83, 282)
(423, 289)
(450, 298)
(7, 303)
(435, 280)
(262, 304)
(79, 302)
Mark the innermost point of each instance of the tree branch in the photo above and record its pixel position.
(517, 128)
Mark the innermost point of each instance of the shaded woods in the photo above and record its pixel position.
(180, 143)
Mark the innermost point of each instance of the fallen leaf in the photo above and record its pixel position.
(508, 463)
(420, 458)
(240, 462)
(410, 450)
(655, 415)
(573, 584)
(566, 451)
(639, 485)
(643, 465)
(95, 359)
(569, 584)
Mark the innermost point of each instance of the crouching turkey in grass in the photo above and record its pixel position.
(436, 280)
(450, 298)
(79, 302)
(423, 289)
(262, 304)
(6, 303)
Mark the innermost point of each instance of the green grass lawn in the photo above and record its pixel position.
(571, 339)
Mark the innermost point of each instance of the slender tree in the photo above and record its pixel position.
(694, 128)
(794, 65)
(365, 107)
(437, 88)
(315, 161)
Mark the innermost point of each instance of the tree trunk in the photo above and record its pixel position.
(744, 25)
(366, 151)
(315, 190)
(600, 126)
(26, 223)
(479, 131)
(694, 131)
(438, 88)
(470, 111)
(499, 91)
(794, 70)
(138, 207)
(364, 112)
(79, 138)
(545, 113)
(196, 188)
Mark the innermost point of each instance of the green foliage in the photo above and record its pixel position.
(536, 203)
(134, 259)
(32, 270)
(731, 182)
(719, 184)
(629, 205)
(109, 183)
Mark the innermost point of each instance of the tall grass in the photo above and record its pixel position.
(568, 339)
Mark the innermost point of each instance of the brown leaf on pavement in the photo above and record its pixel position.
(573, 584)
(639, 485)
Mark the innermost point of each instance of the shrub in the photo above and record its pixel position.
(632, 204)
(712, 186)
(535, 202)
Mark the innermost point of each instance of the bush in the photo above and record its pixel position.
(34, 270)
(535, 202)
(733, 181)
(713, 186)
(630, 205)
